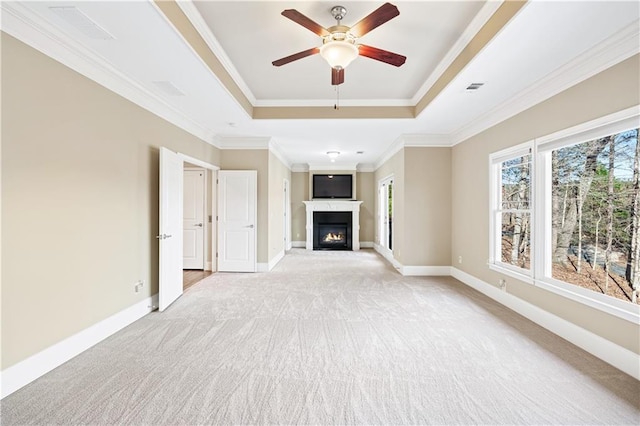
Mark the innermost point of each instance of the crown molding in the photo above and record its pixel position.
(21, 22)
(242, 142)
(251, 142)
(275, 149)
(299, 168)
(193, 15)
(481, 18)
(413, 141)
(351, 167)
(606, 54)
(433, 141)
(366, 168)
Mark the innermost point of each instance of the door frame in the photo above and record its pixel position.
(287, 215)
(210, 199)
(382, 227)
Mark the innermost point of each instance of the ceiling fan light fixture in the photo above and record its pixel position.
(339, 54)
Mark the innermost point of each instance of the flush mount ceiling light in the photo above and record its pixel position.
(333, 155)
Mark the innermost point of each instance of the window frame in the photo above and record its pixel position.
(540, 273)
(496, 210)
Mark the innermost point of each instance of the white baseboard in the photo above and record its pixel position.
(387, 254)
(299, 244)
(24, 372)
(619, 357)
(266, 267)
(208, 266)
(416, 271)
(366, 244)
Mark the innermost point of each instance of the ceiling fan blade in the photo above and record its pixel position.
(296, 56)
(299, 18)
(337, 76)
(381, 55)
(376, 18)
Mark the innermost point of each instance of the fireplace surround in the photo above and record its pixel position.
(351, 208)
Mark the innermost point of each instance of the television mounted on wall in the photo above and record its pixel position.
(333, 186)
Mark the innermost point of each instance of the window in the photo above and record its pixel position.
(593, 189)
(512, 209)
(566, 213)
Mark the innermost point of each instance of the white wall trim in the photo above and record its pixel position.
(299, 244)
(611, 51)
(266, 267)
(20, 22)
(299, 168)
(275, 149)
(426, 271)
(467, 35)
(617, 356)
(242, 142)
(24, 372)
(366, 244)
(198, 22)
(387, 254)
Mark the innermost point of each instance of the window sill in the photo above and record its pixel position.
(512, 272)
(610, 305)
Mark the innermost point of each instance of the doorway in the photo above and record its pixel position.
(171, 250)
(385, 214)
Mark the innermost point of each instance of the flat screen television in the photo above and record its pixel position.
(333, 186)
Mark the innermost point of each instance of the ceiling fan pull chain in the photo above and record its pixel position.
(337, 104)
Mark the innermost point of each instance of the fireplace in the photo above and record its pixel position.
(352, 222)
(332, 231)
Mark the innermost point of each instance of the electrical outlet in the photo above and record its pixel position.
(138, 285)
(459, 259)
(502, 284)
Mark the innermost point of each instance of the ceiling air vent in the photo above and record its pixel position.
(168, 88)
(474, 86)
(81, 22)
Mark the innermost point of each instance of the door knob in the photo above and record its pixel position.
(198, 224)
(163, 236)
(249, 226)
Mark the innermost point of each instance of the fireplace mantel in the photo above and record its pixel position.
(334, 206)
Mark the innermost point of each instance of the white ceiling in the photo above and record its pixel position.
(545, 48)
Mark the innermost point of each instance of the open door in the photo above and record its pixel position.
(237, 214)
(170, 235)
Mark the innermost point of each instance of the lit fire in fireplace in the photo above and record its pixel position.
(332, 237)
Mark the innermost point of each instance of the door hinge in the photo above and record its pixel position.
(216, 255)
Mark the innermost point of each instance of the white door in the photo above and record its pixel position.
(170, 235)
(193, 220)
(237, 204)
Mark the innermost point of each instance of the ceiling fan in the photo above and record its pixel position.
(339, 46)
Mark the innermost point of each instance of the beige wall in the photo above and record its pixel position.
(79, 200)
(612, 90)
(427, 213)
(254, 159)
(278, 172)
(299, 193)
(421, 205)
(366, 190)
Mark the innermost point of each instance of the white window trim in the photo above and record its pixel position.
(540, 273)
(495, 161)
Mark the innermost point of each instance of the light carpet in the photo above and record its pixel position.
(330, 338)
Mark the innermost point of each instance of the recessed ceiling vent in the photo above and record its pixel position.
(474, 86)
(81, 22)
(169, 88)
